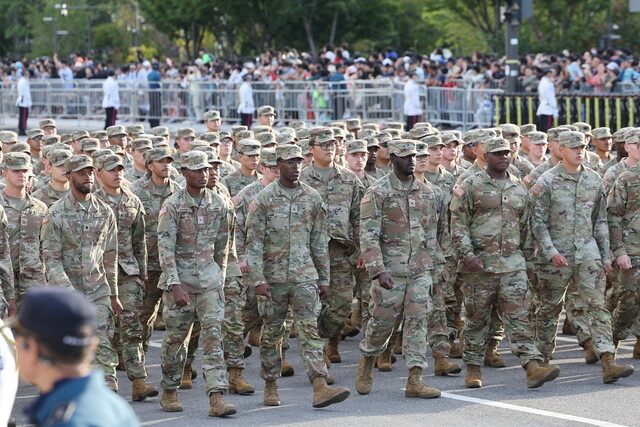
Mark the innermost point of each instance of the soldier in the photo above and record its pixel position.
(398, 235)
(592, 160)
(212, 120)
(537, 148)
(183, 139)
(24, 216)
(194, 229)
(249, 158)
(116, 135)
(76, 139)
(89, 145)
(570, 227)
(226, 149)
(288, 262)
(132, 269)
(353, 126)
(603, 143)
(161, 131)
(618, 142)
(626, 163)
(373, 146)
(341, 191)
(554, 159)
(383, 161)
(48, 126)
(34, 139)
(511, 133)
(451, 153)
(80, 249)
(266, 116)
(490, 225)
(152, 193)
(525, 130)
(139, 168)
(8, 138)
(7, 289)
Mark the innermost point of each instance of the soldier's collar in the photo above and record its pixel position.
(206, 198)
(398, 185)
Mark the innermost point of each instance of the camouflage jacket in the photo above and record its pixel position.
(614, 172)
(193, 241)
(241, 202)
(376, 174)
(233, 270)
(287, 236)
(236, 181)
(48, 195)
(474, 168)
(570, 216)
(592, 160)
(491, 223)
(456, 171)
(132, 174)
(80, 247)
(523, 165)
(611, 163)
(6, 278)
(367, 180)
(445, 182)
(533, 176)
(624, 214)
(227, 169)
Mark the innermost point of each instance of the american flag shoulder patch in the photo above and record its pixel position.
(457, 190)
(252, 207)
(162, 212)
(366, 199)
(45, 220)
(528, 179)
(235, 200)
(536, 189)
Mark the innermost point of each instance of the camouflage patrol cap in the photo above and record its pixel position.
(268, 157)
(249, 147)
(285, 138)
(527, 129)
(141, 144)
(449, 137)
(510, 131)
(632, 137)
(353, 124)
(304, 146)
(211, 115)
(363, 133)
(394, 133)
(57, 146)
(422, 149)
(101, 135)
(46, 123)
(395, 125)
(225, 135)
(198, 143)
(99, 153)
(349, 137)
(212, 138)
(357, 146)
(194, 160)
(108, 162)
(20, 147)
(8, 137)
(17, 161)
(371, 126)
(620, 134)
(402, 147)
(245, 134)
(572, 139)
(297, 125)
(116, 149)
(486, 134)
(58, 157)
(553, 134)
(159, 141)
(287, 129)
(582, 127)
(423, 125)
(338, 132)
(34, 133)
(157, 153)
(50, 140)
(433, 141)
(185, 133)
(419, 132)
(66, 138)
(372, 141)
(115, 130)
(135, 130)
(266, 138)
(160, 131)
(212, 156)
(89, 144)
(259, 129)
(78, 162)
(79, 135)
(338, 124)
(570, 127)
(266, 110)
(383, 138)
(320, 136)
(288, 152)
(303, 133)
(496, 145)
(601, 133)
(238, 128)
(471, 136)
(537, 138)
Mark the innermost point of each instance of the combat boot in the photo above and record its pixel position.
(473, 378)
(287, 369)
(218, 407)
(169, 401)
(323, 395)
(416, 388)
(491, 356)
(237, 384)
(332, 350)
(140, 390)
(187, 377)
(636, 349)
(384, 361)
(121, 366)
(567, 328)
(111, 383)
(397, 345)
(590, 353)
(444, 367)
(254, 337)
(538, 375)
(356, 315)
(326, 358)
(271, 397)
(456, 350)
(159, 324)
(350, 331)
(292, 331)
(364, 374)
(612, 372)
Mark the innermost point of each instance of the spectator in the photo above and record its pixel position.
(246, 106)
(548, 108)
(23, 101)
(412, 107)
(110, 99)
(155, 95)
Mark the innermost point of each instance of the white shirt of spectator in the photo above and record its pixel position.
(8, 373)
(111, 96)
(412, 99)
(547, 97)
(246, 105)
(24, 93)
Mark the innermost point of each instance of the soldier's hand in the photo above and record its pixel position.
(244, 267)
(386, 281)
(624, 262)
(180, 297)
(263, 290)
(559, 261)
(116, 305)
(607, 268)
(325, 291)
(475, 264)
(11, 307)
(360, 264)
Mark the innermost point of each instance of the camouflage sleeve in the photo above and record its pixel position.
(223, 239)
(617, 202)
(51, 238)
(139, 242)
(6, 274)
(110, 257)
(319, 245)
(225, 182)
(527, 245)
(256, 229)
(167, 231)
(461, 208)
(354, 214)
(240, 233)
(601, 227)
(370, 229)
(541, 205)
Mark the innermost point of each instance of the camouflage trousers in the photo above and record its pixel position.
(553, 282)
(208, 308)
(304, 300)
(129, 329)
(628, 308)
(508, 293)
(150, 304)
(337, 307)
(251, 317)
(232, 327)
(410, 299)
(496, 327)
(106, 356)
(439, 332)
(362, 293)
(454, 297)
(22, 285)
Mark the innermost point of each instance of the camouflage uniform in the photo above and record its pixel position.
(7, 290)
(236, 181)
(48, 195)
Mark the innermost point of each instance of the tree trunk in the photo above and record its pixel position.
(334, 26)
(306, 21)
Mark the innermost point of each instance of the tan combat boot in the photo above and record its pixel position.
(287, 369)
(254, 337)
(491, 356)
(416, 388)
(169, 401)
(271, 397)
(636, 349)
(140, 390)
(237, 384)
(384, 361)
(111, 383)
(364, 374)
(612, 372)
(292, 331)
(159, 324)
(186, 383)
(444, 367)
(590, 353)
(218, 407)
(538, 375)
(473, 378)
(326, 358)
(349, 331)
(567, 327)
(332, 350)
(121, 366)
(397, 345)
(456, 350)
(323, 395)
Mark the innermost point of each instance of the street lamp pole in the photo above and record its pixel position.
(55, 32)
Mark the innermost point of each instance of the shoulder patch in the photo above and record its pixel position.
(162, 212)
(235, 200)
(527, 179)
(536, 189)
(252, 207)
(366, 199)
(45, 219)
(458, 191)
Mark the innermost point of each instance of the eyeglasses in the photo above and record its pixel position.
(293, 162)
(384, 145)
(326, 146)
(272, 169)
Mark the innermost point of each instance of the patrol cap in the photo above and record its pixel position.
(266, 138)
(116, 149)
(583, 127)
(249, 147)
(402, 147)
(285, 138)
(58, 146)
(108, 162)
(496, 145)
(115, 130)
(349, 137)
(268, 157)
(225, 135)
(141, 144)
(570, 127)
(211, 115)
(135, 130)
(371, 141)
(304, 146)
(186, 133)
(288, 152)
(34, 133)
(357, 146)
(433, 141)
(338, 124)
(46, 123)
(237, 128)
(320, 136)
(102, 152)
(510, 131)
(383, 138)
(303, 133)
(245, 134)
(423, 125)
(420, 132)
(212, 138)
(527, 129)
(212, 157)
(371, 126)
(8, 137)
(572, 139)
(66, 138)
(20, 147)
(89, 144)
(79, 135)
(554, 133)
(78, 162)
(159, 141)
(353, 124)
(287, 129)
(266, 110)
(259, 129)
(194, 160)
(632, 137)
(394, 133)
(64, 320)
(449, 137)
(422, 149)
(58, 157)
(338, 132)
(620, 134)
(601, 133)
(486, 134)
(297, 125)
(157, 153)
(101, 135)
(17, 161)
(198, 143)
(160, 131)
(537, 138)
(50, 140)
(395, 125)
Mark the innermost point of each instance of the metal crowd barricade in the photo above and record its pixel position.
(459, 108)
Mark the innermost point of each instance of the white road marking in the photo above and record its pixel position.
(150, 423)
(575, 341)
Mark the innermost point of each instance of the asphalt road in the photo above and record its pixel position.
(577, 397)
